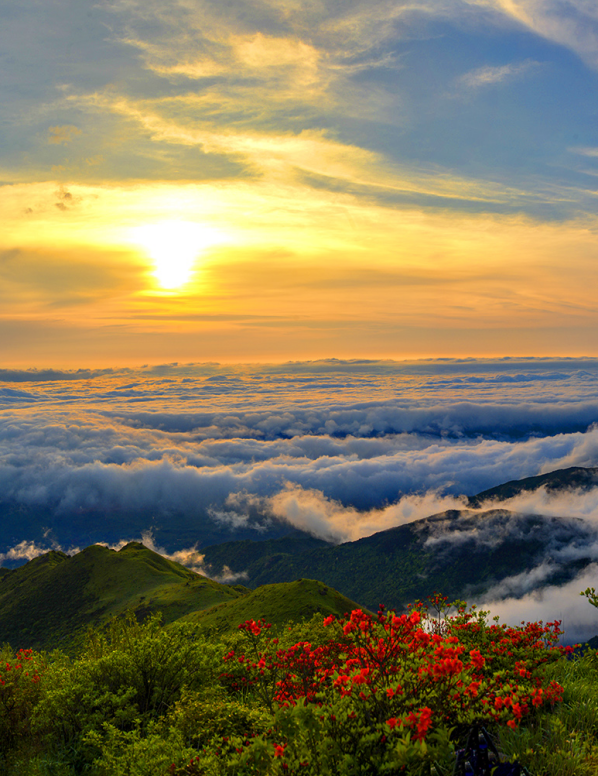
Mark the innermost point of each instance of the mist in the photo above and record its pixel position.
(201, 453)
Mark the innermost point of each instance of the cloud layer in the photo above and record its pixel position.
(338, 449)
(339, 435)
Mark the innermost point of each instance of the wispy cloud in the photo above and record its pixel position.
(62, 135)
(584, 151)
(489, 75)
(573, 24)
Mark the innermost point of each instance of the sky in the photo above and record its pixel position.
(274, 180)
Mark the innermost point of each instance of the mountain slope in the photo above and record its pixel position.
(46, 601)
(574, 478)
(277, 604)
(460, 553)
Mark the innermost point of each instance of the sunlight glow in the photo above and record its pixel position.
(174, 247)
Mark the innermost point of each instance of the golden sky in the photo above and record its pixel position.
(297, 179)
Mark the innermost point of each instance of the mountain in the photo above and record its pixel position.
(461, 553)
(277, 604)
(574, 478)
(51, 600)
(54, 596)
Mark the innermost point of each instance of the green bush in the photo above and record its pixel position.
(128, 675)
(144, 700)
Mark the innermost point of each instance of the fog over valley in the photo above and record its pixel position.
(191, 455)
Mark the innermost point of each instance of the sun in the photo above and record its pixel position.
(174, 247)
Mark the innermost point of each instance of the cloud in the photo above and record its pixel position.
(488, 75)
(584, 151)
(45, 375)
(578, 618)
(306, 160)
(23, 551)
(63, 277)
(29, 550)
(62, 135)
(573, 24)
(312, 512)
(319, 446)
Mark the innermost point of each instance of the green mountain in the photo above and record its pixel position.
(460, 553)
(54, 596)
(277, 604)
(51, 600)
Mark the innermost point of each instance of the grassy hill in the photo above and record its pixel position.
(50, 601)
(277, 604)
(46, 601)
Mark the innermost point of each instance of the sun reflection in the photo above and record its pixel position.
(174, 247)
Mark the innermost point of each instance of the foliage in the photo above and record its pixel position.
(564, 742)
(384, 692)
(21, 676)
(127, 675)
(360, 694)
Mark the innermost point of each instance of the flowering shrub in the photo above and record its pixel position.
(384, 691)
(20, 680)
(364, 694)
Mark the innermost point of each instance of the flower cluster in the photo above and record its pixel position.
(398, 677)
(20, 677)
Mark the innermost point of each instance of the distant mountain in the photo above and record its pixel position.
(461, 553)
(51, 600)
(574, 478)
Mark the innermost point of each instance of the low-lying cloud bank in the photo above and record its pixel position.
(340, 449)
(578, 618)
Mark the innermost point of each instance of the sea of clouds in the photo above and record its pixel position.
(340, 449)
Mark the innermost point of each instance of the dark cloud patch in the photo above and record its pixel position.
(45, 375)
(463, 419)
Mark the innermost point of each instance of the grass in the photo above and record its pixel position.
(277, 604)
(563, 741)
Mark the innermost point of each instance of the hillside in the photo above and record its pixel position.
(50, 601)
(46, 601)
(574, 478)
(460, 552)
(276, 604)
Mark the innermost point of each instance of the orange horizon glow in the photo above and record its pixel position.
(302, 183)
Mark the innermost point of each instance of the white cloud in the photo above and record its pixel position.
(578, 618)
(584, 151)
(488, 75)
